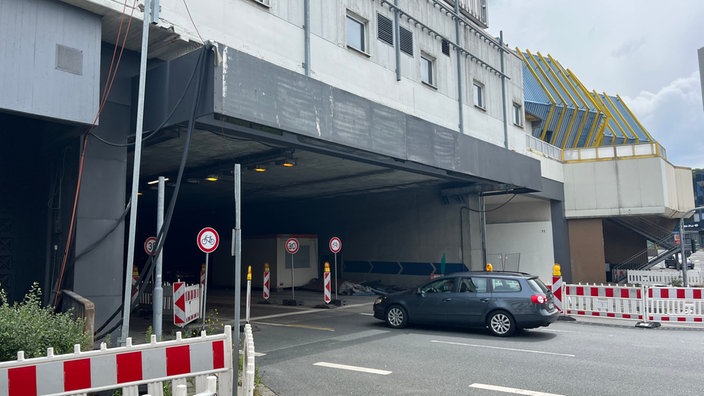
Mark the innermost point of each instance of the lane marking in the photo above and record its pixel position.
(366, 314)
(359, 335)
(515, 391)
(502, 348)
(307, 311)
(352, 368)
(302, 326)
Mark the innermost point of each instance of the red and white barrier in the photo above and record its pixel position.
(676, 304)
(186, 303)
(604, 301)
(647, 304)
(267, 282)
(326, 284)
(123, 367)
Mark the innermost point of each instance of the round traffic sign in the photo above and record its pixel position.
(335, 245)
(208, 240)
(292, 245)
(150, 245)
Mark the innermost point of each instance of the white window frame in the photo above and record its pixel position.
(428, 76)
(364, 26)
(517, 114)
(478, 95)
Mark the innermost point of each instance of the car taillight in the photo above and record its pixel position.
(538, 299)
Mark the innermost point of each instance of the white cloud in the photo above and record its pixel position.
(673, 116)
(643, 50)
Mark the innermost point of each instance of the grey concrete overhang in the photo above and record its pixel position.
(251, 112)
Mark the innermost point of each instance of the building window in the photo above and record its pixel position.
(406, 39)
(356, 33)
(478, 94)
(385, 29)
(517, 114)
(427, 69)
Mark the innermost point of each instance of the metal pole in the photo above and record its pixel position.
(126, 307)
(293, 292)
(335, 276)
(460, 101)
(205, 289)
(397, 40)
(306, 33)
(158, 295)
(503, 88)
(236, 250)
(682, 253)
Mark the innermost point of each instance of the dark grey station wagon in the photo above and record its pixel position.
(503, 302)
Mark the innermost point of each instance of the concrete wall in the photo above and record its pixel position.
(640, 186)
(275, 34)
(48, 60)
(587, 250)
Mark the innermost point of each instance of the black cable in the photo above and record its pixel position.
(161, 236)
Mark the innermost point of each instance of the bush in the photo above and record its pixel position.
(29, 327)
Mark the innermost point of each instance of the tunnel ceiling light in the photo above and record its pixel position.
(288, 163)
(157, 181)
(212, 178)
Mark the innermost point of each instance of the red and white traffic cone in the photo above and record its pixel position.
(326, 284)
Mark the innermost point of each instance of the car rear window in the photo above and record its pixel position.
(537, 285)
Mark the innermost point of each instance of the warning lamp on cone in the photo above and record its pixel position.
(489, 267)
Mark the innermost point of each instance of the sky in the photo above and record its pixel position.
(643, 50)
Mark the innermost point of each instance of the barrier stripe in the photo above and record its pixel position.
(102, 369)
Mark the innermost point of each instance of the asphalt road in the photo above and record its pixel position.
(345, 351)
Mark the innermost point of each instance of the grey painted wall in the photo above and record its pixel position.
(251, 89)
(48, 58)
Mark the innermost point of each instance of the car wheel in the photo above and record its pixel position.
(396, 317)
(501, 324)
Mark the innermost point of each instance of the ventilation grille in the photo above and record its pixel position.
(445, 47)
(385, 29)
(69, 59)
(406, 38)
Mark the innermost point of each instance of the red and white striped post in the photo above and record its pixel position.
(326, 284)
(202, 276)
(556, 287)
(249, 293)
(135, 286)
(267, 282)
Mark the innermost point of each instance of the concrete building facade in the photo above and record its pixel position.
(407, 122)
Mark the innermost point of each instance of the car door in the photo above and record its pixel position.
(471, 301)
(434, 302)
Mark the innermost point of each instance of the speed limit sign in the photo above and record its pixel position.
(292, 245)
(150, 245)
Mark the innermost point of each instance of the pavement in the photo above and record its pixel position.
(281, 302)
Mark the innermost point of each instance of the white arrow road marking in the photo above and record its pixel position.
(352, 368)
(515, 391)
(502, 348)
